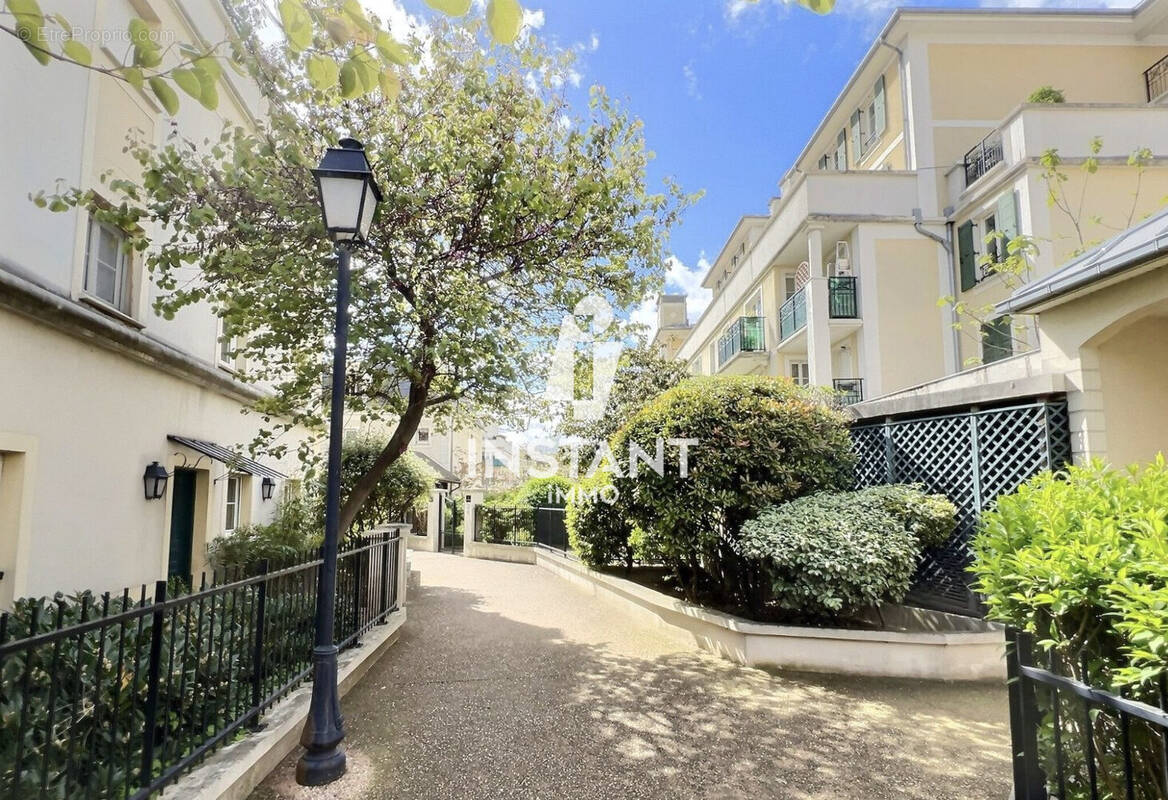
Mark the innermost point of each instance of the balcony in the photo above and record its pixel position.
(746, 335)
(851, 390)
(841, 304)
(987, 154)
(1156, 79)
(792, 315)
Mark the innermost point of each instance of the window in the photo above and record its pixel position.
(857, 128)
(423, 435)
(841, 151)
(106, 265)
(972, 260)
(799, 372)
(231, 520)
(997, 340)
(227, 355)
(753, 306)
(790, 287)
(869, 121)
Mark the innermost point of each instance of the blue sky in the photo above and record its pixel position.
(729, 91)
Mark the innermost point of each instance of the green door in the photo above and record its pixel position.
(182, 524)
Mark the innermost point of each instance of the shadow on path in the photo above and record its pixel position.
(479, 700)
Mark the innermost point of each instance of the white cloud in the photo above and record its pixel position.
(594, 43)
(679, 279)
(533, 19)
(691, 81)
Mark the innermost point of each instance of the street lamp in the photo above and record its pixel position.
(348, 199)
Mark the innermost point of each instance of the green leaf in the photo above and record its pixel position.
(297, 24)
(210, 65)
(818, 6)
(505, 18)
(188, 81)
(30, 27)
(133, 76)
(208, 91)
(390, 84)
(453, 8)
(322, 72)
(166, 95)
(78, 52)
(391, 51)
(146, 51)
(350, 86)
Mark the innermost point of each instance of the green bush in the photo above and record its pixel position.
(406, 485)
(294, 531)
(535, 493)
(836, 553)
(598, 528)
(1080, 559)
(761, 441)
(1046, 94)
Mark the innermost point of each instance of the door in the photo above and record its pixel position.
(182, 524)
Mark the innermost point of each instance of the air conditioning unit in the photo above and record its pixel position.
(843, 259)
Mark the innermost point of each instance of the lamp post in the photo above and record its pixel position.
(348, 199)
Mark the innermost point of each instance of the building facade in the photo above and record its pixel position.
(96, 387)
(928, 160)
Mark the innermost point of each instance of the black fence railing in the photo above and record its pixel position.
(1156, 79)
(522, 526)
(841, 298)
(983, 157)
(793, 314)
(746, 335)
(851, 390)
(117, 696)
(1071, 739)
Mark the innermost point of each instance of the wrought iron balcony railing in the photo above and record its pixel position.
(793, 314)
(985, 156)
(842, 303)
(1156, 79)
(851, 389)
(747, 334)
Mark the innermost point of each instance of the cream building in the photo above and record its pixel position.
(95, 386)
(929, 149)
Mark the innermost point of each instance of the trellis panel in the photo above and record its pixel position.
(972, 457)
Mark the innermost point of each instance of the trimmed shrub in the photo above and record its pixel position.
(598, 531)
(294, 531)
(836, 553)
(1046, 94)
(535, 493)
(761, 441)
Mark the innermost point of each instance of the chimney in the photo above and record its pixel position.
(671, 311)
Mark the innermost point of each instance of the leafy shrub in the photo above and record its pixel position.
(835, 553)
(1080, 559)
(1046, 94)
(599, 531)
(506, 524)
(406, 485)
(535, 493)
(293, 532)
(761, 441)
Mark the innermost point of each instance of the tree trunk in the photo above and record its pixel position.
(398, 443)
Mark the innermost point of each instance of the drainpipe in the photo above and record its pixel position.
(946, 243)
(909, 157)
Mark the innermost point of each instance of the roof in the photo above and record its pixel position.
(231, 459)
(1136, 247)
(444, 475)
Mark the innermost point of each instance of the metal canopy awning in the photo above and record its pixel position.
(444, 475)
(232, 460)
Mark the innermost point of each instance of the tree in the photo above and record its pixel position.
(641, 375)
(405, 486)
(336, 43)
(501, 211)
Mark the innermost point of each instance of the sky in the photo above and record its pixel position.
(729, 92)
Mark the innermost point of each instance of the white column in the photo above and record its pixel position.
(815, 293)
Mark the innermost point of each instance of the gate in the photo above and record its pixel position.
(550, 528)
(450, 526)
(972, 457)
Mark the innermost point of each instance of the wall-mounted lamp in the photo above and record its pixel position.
(154, 481)
(267, 488)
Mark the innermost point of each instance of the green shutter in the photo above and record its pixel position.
(997, 340)
(841, 151)
(967, 256)
(857, 136)
(1006, 217)
(879, 122)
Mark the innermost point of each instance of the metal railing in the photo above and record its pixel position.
(1072, 739)
(983, 157)
(841, 298)
(747, 334)
(521, 526)
(1156, 79)
(118, 696)
(851, 390)
(793, 315)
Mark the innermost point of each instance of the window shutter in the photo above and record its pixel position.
(841, 151)
(997, 340)
(857, 137)
(879, 122)
(967, 256)
(1007, 215)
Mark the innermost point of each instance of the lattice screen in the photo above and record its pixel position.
(971, 457)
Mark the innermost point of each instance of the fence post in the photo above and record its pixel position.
(1029, 780)
(975, 460)
(386, 565)
(889, 452)
(257, 656)
(155, 667)
(358, 557)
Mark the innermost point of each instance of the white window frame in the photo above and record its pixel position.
(122, 289)
(790, 286)
(799, 371)
(232, 507)
(753, 306)
(423, 435)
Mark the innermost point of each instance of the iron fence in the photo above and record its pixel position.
(841, 298)
(983, 157)
(117, 696)
(1156, 79)
(851, 390)
(793, 315)
(522, 526)
(747, 334)
(1071, 739)
(972, 457)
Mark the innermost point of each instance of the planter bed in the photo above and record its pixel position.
(916, 644)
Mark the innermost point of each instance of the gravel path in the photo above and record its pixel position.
(508, 682)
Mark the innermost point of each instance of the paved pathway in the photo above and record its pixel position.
(508, 682)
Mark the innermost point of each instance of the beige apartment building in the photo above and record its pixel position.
(930, 148)
(94, 387)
